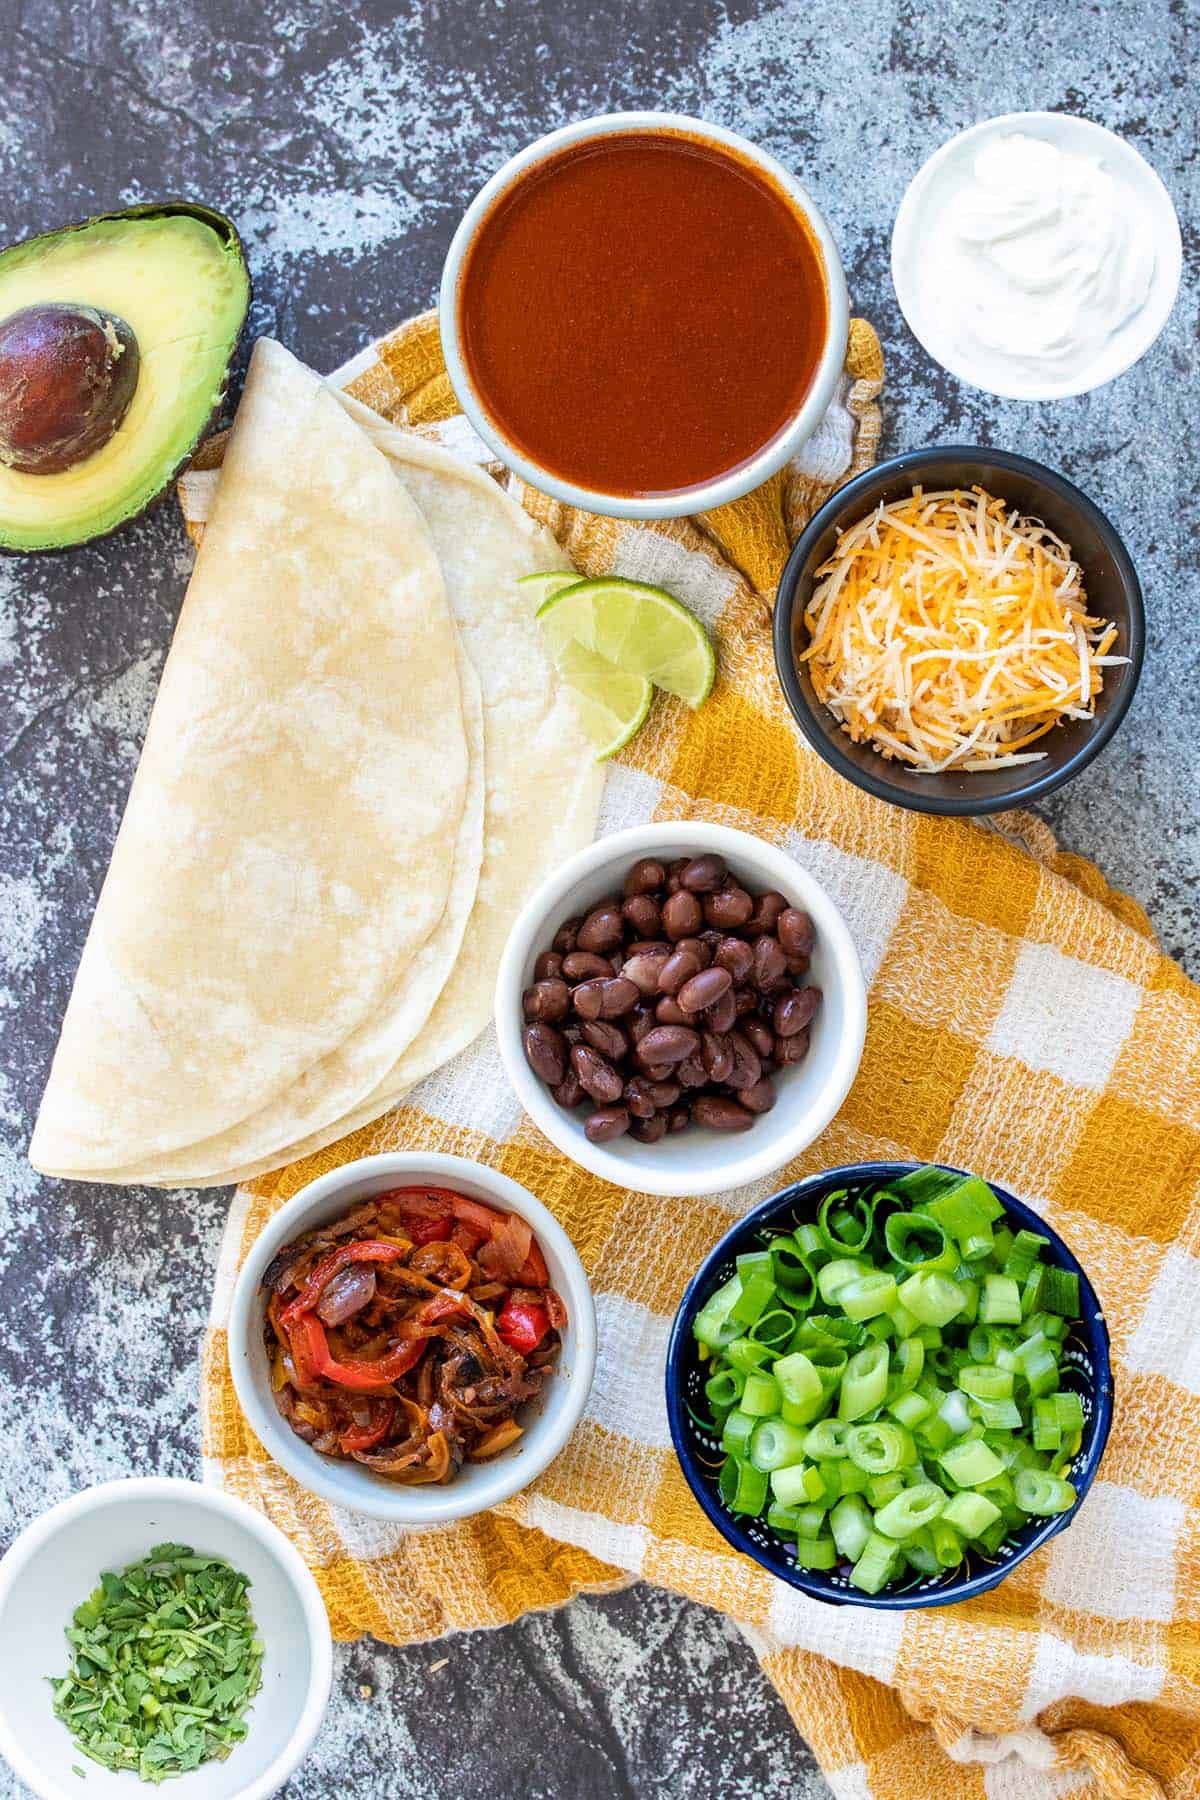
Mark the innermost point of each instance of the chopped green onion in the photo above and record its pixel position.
(744, 1354)
(742, 1487)
(970, 1464)
(919, 1415)
(867, 1296)
(760, 1396)
(816, 1553)
(878, 1448)
(1037, 1492)
(850, 1522)
(970, 1513)
(878, 1564)
(932, 1297)
(1000, 1303)
(776, 1445)
(910, 1511)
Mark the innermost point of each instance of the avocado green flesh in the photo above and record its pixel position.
(184, 291)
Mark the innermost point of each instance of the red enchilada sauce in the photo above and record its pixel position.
(642, 312)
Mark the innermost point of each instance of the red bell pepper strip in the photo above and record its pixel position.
(534, 1272)
(368, 1250)
(310, 1344)
(521, 1326)
(430, 1231)
(365, 1437)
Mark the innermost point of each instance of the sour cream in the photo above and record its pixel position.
(1033, 265)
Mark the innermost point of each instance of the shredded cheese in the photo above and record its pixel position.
(952, 632)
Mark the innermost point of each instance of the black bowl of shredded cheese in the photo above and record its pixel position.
(959, 630)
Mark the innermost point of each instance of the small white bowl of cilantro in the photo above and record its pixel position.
(157, 1630)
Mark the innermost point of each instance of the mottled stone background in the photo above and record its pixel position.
(345, 136)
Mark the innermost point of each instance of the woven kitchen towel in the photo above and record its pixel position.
(1023, 1024)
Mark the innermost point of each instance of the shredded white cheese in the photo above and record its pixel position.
(952, 632)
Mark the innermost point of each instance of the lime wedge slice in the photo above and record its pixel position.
(543, 587)
(639, 628)
(612, 703)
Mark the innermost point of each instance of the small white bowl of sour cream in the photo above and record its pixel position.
(1036, 255)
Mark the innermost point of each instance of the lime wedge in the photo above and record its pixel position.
(543, 587)
(639, 628)
(612, 703)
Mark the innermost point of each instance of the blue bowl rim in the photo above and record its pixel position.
(876, 782)
(725, 1522)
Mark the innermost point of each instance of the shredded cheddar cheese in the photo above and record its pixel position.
(950, 632)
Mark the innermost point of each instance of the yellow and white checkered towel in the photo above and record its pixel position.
(1022, 1024)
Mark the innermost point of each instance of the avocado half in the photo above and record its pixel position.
(116, 340)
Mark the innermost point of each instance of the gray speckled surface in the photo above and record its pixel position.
(345, 139)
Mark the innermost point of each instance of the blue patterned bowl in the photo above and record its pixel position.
(1087, 1369)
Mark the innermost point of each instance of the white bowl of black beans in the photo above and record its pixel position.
(681, 1008)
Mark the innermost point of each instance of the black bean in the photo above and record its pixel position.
(770, 967)
(704, 989)
(549, 1000)
(606, 1123)
(588, 999)
(569, 1091)
(797, 934)
(641, 912)
(640, 1021)
(608, 1039)
(639, 1097)
(669, 1012)
(645, 877)
(716, 1056)
(722, 1016)
(736, 956)
(564, 937)
(617, 997)
(678, 1119)
(760, 1098)
(584, 965)
(692, 1072)
(745, 1001)
(720, 1113)
(645, 968)
(679, 967)
(596, 1074)
(696, 947)
(649, 1131)
(548, 967)
(603, 929)
(747, 1066)
(682, 915)
(655, 1071)
(789, 1051)
(728, 909)
(703, 874)
(758, 1035)
(669, 1044)
(767, 909)
(794, 1011)
(545, 1052)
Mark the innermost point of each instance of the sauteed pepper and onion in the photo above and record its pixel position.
(407, 1334)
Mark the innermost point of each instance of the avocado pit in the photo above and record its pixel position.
(67, 377)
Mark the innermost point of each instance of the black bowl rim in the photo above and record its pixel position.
(842, 500)
(725, 1522)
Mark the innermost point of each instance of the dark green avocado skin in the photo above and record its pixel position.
(228, 233)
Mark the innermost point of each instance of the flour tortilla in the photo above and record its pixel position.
(543, 783)
(289, 843)
(319, 1098)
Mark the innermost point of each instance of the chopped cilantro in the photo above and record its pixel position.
(165, 1663)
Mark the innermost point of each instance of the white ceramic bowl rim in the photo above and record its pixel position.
(1160, 209)
(415, 1507)
(162, 1488)
(747, 475)
(651, 1174)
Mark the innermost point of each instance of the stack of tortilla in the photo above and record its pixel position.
(359, 765)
